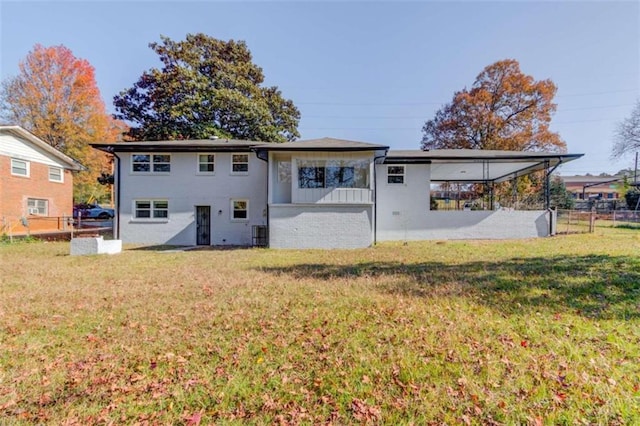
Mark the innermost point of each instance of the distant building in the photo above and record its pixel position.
(594, 187)
(36, 182)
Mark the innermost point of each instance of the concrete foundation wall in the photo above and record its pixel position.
(452, 225)
(320, 226)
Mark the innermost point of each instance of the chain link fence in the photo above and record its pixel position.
(581, 221)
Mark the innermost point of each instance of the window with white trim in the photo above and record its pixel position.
(284, 171)
(37, 207)
(56, 174)
(333, 174)
(151, 163)
(240, 209)
(151, 209)
(395, 174)
(206, 163)
(240, 163)
(19, 167)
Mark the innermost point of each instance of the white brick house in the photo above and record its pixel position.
(323, 193)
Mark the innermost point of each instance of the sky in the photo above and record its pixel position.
(371, 71)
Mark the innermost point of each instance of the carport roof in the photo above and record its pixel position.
(471, 165)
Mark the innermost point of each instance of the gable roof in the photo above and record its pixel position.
(24, 134)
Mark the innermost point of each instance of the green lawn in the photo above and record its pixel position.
(542, 331)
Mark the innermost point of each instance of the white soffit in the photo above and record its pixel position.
(478, 170)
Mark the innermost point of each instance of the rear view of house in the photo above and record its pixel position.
(36, 183)
(321, 193)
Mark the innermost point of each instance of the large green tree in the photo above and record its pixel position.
(206, 87)
(505, 109)
(55, 96)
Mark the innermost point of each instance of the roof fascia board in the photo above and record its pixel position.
(406, 160)
(497, 158)
(172, 148)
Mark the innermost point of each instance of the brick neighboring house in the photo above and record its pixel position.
(594, 187)
(36, 183)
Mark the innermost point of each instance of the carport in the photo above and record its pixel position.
(487, 167)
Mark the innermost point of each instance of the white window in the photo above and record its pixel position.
(284, 171)
(37, 206)
(151, 209)
(240, 163)
(206, 163)
(240, 209)
(56, 174)
(148, 163)
(19, 167)
(395, 174)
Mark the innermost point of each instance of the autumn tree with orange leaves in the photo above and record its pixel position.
(505, 109)
(55, 96)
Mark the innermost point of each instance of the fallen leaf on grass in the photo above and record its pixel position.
(194, 419)
(364, 412)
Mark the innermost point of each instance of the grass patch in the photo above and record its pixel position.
(516, 332)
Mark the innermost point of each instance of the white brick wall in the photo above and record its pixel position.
(453, 225)
(185, 189)
(320, 226)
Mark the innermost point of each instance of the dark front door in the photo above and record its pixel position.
(203, 225)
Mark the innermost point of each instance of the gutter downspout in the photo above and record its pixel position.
(375, 197)
(117, 189)
(266, 160)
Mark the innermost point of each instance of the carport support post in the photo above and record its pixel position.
(547, 187)
(514, 192)
(491, 195)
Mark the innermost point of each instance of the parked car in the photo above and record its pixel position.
(92, 211)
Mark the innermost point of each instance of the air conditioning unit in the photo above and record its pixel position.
(33, 210)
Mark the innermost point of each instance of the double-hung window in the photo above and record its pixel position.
(56, 174)
(239, 209)
(395, 174)
(240, 163)
(151, 209)
(151, 163)
(206, 163)
(284, 171)
(37, 206)
(19, 167)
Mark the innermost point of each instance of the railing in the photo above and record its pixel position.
(38, 225)
(33, 224)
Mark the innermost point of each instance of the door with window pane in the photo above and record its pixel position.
(203, 225)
